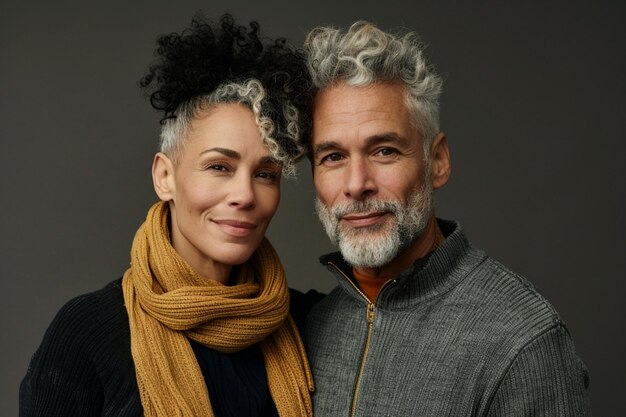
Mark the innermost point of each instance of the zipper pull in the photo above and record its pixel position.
(370, 313)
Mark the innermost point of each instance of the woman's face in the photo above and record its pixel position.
(223, 192)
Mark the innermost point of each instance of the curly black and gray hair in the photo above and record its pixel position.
(364, 54)
(208, 64)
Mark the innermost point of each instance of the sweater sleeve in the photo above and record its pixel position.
(61, 379)
(546, 378)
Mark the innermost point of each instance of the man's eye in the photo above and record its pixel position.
(332, 157)
(386, 152)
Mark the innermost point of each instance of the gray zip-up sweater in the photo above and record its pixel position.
(457, 334)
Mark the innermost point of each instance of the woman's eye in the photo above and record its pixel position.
(268, 175)
(217, 167)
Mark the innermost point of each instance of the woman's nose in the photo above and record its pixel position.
(241, 193)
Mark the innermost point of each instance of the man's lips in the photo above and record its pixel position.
(364, 219)
(236, 228)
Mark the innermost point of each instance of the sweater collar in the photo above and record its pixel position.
(428, 277)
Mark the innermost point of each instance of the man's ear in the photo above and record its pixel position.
(440, 157)
(163, 177)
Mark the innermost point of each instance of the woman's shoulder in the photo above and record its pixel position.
(92, 310)
(301, 303)
(88, 339)
(89, 320)
(108, 296)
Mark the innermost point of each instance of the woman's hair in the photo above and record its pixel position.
(208, 64)
(365, 55)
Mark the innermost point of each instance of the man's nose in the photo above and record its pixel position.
(360, 182)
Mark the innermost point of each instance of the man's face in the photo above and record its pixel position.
(374, 189)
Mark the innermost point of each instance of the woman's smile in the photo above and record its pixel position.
(235, 228)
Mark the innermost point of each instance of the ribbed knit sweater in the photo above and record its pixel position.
(457, 334)
(84, 365)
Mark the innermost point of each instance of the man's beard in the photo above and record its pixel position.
(376, 245)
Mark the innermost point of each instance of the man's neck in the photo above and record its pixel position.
(422, 246)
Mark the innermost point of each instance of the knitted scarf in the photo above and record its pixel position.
(168, 303)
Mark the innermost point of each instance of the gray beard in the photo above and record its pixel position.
(377, 245)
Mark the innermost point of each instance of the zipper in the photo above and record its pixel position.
(370, 324)
(357, 386)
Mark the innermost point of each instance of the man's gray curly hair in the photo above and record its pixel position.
(249, 93)
(365, 55)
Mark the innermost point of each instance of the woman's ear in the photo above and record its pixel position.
(440, 157)
(163, 177)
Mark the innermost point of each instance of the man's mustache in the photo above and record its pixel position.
(367, 206)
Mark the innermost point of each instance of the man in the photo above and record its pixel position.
(421, 323)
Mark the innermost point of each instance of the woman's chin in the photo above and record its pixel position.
(235, 256)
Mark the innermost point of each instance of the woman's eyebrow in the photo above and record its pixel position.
(224, 151)
(268, 160)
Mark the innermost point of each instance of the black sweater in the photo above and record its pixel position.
(84, 365)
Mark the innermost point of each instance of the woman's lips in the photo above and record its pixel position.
(364, 219)
(235, 228)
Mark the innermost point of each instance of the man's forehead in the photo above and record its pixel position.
(376, 111)
(338, 95)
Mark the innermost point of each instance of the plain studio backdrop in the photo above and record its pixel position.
(533, 108)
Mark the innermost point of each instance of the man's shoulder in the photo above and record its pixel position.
(508, 301)
(499, 280)
(337, 303)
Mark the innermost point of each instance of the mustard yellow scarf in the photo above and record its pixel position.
(168, 303)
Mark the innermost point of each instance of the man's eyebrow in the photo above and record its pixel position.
(387, 137)
(324, 146)
(224, 151)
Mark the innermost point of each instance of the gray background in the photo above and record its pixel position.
(533, 107)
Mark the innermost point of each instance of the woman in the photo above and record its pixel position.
(199, 324)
